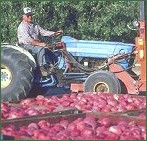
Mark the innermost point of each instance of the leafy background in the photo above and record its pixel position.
(87, 20)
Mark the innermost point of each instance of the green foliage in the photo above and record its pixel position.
(87, 20)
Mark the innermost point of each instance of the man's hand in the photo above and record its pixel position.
(58, 32)
(43, 44)
(46, 45)
(38, 43)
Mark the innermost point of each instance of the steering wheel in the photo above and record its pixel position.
(57, 34)
(54, 38)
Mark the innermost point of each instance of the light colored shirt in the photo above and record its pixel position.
(28, 31)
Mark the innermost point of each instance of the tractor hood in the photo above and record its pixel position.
(95, 49)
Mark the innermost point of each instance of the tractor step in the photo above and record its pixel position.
(75, 87)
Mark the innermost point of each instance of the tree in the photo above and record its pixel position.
(87, 20)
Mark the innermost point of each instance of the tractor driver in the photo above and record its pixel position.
(28, 36)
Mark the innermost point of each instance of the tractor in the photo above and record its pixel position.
(90, 66)
(19, 70)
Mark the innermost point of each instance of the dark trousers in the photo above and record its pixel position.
(39, 51)
(44, 55)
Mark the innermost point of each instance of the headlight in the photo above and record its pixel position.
(136, 24)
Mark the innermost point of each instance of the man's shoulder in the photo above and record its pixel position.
(23, 24)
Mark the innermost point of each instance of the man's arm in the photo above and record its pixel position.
(38, 43)
(25, 38)
(44, 32)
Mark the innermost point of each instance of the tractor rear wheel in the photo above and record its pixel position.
(102, 81)
(16, 75)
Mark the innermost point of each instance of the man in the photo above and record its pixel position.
(28, 36)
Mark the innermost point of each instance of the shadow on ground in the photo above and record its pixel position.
(49, 91)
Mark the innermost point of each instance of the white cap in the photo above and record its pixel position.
(27, 11)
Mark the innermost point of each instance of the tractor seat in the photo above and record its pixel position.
(29, 50)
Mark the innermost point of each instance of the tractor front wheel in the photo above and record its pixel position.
(102, 81)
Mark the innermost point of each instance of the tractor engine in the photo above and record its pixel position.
(91, 62)
(93, 54)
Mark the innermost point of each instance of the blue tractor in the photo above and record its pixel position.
(72, 61)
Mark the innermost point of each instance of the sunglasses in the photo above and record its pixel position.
(29, 15)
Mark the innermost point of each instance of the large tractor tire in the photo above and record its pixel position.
(16, 75)
(102, 81)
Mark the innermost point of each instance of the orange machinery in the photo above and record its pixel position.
(140, 42)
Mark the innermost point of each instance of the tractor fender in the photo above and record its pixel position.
(22, 50)
(128, 84)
